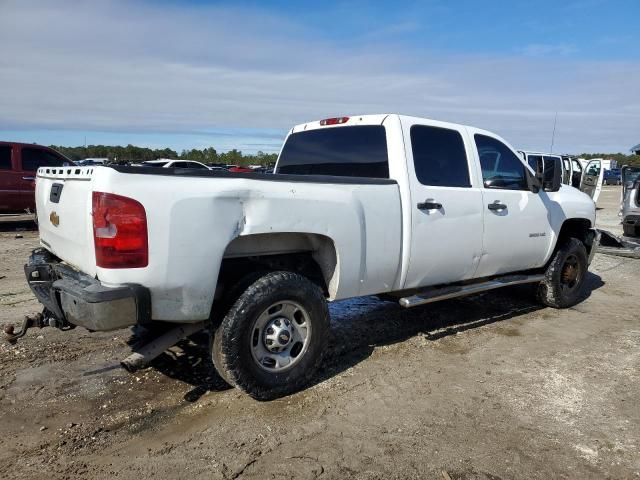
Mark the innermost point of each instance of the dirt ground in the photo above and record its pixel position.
(487, 387)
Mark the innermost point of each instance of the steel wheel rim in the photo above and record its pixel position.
(280, 336)
(571, 275)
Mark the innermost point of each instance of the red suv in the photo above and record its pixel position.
(18, 165)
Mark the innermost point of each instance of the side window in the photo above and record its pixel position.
(5, 157)
(549, 165)
(576, 165)
(532, 160)
(439, 157)
(34, 158)
(501, 168)
(594, 169)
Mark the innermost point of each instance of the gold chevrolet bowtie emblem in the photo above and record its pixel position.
(55, 219)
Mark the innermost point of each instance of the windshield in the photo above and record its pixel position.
(359, 151)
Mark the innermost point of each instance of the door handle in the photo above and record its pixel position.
(429, 205)
(497, 206)
(29, 178)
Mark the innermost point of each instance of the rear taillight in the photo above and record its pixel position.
(119, 231)
(334, 121)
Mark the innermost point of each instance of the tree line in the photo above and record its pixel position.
(134, 154)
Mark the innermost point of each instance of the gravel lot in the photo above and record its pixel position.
(487, 387)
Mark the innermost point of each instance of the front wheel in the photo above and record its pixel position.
(273, 338)
(565, 276)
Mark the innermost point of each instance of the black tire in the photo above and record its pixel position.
(565, 276)
(219, 312)
(235, 337)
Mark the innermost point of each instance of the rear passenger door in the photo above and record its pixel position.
(446, 215)
(517, 231)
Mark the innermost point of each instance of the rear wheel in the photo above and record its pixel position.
(565, 276)
(272, 340)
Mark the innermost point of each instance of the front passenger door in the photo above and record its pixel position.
(517, 231)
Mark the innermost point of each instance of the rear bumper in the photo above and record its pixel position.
(81, 300)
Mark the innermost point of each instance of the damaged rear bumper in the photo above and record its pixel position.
(78, 299)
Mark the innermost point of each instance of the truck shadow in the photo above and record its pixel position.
(19, 224)
(360, 325)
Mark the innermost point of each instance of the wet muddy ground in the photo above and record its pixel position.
(487, 387)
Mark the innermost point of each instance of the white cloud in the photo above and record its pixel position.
(544, 50)
(125, 66)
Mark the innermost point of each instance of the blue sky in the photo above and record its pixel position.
(238, 74)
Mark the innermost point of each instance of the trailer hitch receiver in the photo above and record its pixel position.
(39, 320)
(29, 321)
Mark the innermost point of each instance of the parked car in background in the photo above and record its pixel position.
(87, 162)
(613, 177)
(630, 203)
(240, 169)
(218, 166)
(169, 163)
(92, 161)
(588, 180)
(18, 165)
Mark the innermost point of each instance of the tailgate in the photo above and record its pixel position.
(63, 203)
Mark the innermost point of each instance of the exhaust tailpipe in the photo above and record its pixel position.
(142, 356)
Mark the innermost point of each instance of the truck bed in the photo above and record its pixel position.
(196, 218)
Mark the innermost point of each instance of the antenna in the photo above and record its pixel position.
(553, 135)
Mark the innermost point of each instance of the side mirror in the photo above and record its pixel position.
(549, 173)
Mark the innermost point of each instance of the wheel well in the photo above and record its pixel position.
(579, 228)
(311, 255)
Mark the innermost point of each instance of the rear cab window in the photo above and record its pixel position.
(355, 151)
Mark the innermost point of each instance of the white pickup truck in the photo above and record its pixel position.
(416, 209)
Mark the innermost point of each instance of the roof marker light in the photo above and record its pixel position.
(334, 121)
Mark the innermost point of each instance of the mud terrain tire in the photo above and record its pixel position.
(236, 338)
(565, 276)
